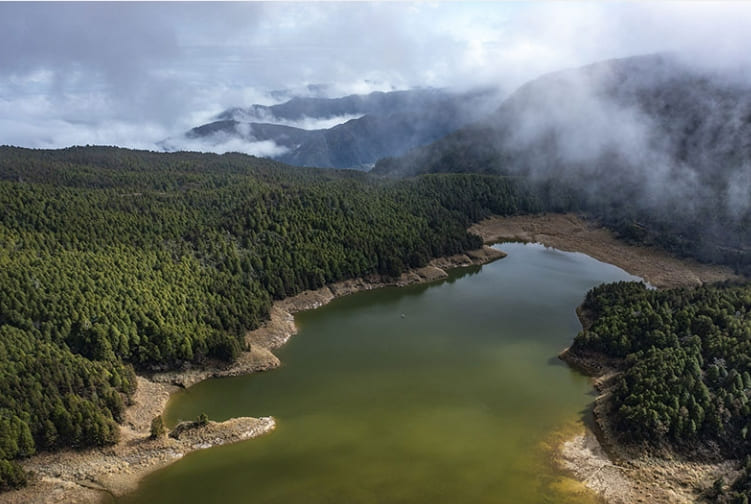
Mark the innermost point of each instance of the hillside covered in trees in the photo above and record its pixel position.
(685, 356)
(652, 146)
(114, 261)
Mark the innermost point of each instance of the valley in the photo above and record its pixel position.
(512, 242)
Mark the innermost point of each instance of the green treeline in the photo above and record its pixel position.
(686, 357)
(114, 260)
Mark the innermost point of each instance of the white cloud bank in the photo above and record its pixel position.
(132, 74)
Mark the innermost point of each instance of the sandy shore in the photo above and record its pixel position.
(87, 476)
(647, 479)
(91, 476)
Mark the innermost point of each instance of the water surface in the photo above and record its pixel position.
(433, 393)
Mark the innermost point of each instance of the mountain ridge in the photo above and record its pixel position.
(375, 125)
(648, 144)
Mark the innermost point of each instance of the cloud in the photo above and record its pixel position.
(103, 69)
(221, 144)
(304, 122)
(659, 133)
(241, 140)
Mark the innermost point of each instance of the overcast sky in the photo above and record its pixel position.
(131, 74)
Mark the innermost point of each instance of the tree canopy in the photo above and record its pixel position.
(113, 261)
(686, 359)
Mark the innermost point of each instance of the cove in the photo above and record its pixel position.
(446, 392)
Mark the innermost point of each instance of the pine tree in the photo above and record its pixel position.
(157, 427)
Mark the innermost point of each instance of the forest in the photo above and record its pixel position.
(115, 261)
(685, 356)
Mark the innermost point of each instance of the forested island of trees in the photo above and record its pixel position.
(685, 356)
(114, 261)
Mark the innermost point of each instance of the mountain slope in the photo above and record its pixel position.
(377, 102)
(375, 126)
(583, 115)
(656, 149)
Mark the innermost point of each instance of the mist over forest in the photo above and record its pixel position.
(652, 145)
(169, 171)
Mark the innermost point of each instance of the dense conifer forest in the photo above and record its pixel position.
(686, 360)
(114, 261)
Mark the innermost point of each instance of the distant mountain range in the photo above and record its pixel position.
(652, 145)
(372, 126)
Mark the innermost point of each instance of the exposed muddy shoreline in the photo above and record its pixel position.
(570, 233)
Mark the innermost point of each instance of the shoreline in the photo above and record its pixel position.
(92, 475)
(593, 456)
(97, 474)
(571, 233)
(620, 475)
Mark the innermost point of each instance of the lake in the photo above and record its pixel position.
(446, 392)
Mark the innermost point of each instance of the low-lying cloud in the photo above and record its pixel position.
(241, 140)
(655, 133)
(304, 122)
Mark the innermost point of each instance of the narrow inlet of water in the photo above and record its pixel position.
(447, 392)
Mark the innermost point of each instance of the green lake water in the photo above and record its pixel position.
(448, 392)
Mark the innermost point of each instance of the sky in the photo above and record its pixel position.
(132, 74)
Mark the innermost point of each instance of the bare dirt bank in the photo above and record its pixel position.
(90, 476)
(623, 476)
(648, 480)
(87, 476)
(573, 234)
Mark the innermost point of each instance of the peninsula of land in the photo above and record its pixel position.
(595, 458)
